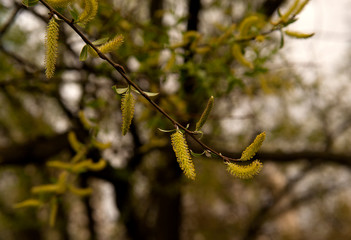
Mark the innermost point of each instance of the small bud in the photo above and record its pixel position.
(205, 114)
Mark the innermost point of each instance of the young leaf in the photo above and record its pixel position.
(120, 90)
(298, 34)
(30, 3)
(74, 13)
(251, 150)
(100, 41)
(181, 150)
(281, 39)
(83, 54)
(166, 131)
(127, 106)
(150, 94)
(205, 114)
(244, 172)
(197, 154)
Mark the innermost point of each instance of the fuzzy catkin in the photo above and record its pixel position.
(251, 150)
(246, 24)
(110, 46)
(244, 172)
(236, 51)
(127, 106)
(181, 150)
(89, 12)
(51, 45)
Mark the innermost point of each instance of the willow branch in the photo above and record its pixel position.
(122, 72)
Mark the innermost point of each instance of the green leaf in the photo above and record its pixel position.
(281, 39)
(166, 131)
(150, 94)
(120, 90)
(279, 13)
(83, 54)
(100, 41)
(74, 14)
(196, 154)
(30, 3)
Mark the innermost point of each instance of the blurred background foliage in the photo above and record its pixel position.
(301, 193)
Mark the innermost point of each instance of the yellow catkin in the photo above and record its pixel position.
(301, 7)
(28, 203)
(127, 106)
(170, 63)
(205, 114)
(59, 164)
(244, 172)
(48, 188)
(246, 24)
(59, 3)
(251, 150)
(260, 38)
(51, 45)
(298, 34)
(181, 150)
(112, 45)
(53, 211)
(73, 141)
(80, 191)
(62, 182)
(88, 164)
(89, 12)
(97, 166)
(236, 51)
(83, 119)
(100, 145)
(293, 7)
